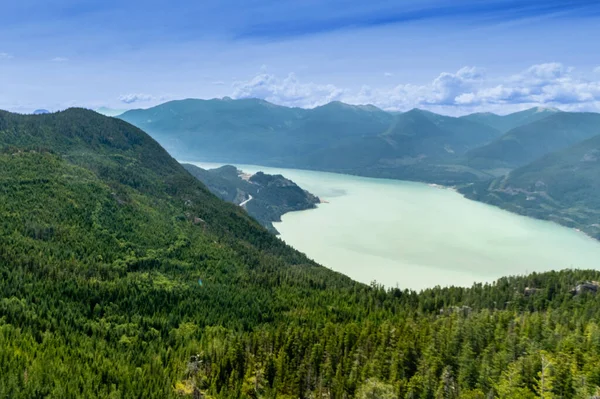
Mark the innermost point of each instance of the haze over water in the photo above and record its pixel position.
(412, 235)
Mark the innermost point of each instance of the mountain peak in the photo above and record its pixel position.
(109, 111)
(545, 109)
(343, 105)
(420, 111)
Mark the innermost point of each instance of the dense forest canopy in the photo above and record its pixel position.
(122, 276)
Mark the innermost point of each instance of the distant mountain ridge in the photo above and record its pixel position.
(334, 137)
(363, 139)
(504, 123)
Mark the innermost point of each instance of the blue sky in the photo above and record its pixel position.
(454, 56)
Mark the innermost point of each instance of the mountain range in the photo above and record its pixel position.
(528, 142)
(364, 140)
(504, 123)
(335, 137)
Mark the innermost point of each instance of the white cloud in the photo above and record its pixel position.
(137, 97)
(388, 74)
(288, 91)
(597, 69)
(6, 56)
(466, 90)
(544, 73)
(60, 59)
(218, 83)
(447, 86)
(544, 84)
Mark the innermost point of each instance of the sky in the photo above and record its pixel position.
(453, 56)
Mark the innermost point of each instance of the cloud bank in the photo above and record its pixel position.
(469, 89)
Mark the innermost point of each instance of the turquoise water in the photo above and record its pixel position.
(412, 235)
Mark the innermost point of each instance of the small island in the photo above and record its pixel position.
(265, 197)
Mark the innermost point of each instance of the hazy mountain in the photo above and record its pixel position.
(526, 143)
(41, 112)
(563, 186)
(504, 123)
(417, 145)
(334, 137)
(110, 111)
(265, 197)
(439, 136)
(364, 140)
(248, 130)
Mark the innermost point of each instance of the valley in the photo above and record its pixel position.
(148, 285)
(299, 199)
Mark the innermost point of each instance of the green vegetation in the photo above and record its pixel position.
(562, 187)
(105, 238)
(265, 197)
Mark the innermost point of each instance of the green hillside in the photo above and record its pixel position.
(504, 123)
(265, 197)
(122, 276)
(562, 186)
(526, 143)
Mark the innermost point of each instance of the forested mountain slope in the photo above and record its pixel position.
(121, 276)
(563, 186)
(529, 142)
(265, 197)
(105, 239)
